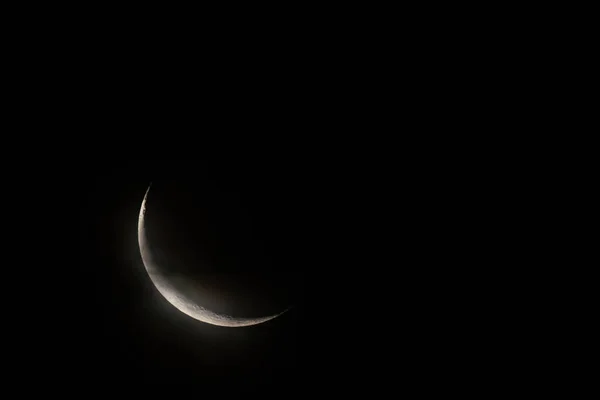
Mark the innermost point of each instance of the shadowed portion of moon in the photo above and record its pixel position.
(209, 264)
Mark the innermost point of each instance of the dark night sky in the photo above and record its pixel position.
(389, 235)
(369, 243)
(126, 330)
(379, 253)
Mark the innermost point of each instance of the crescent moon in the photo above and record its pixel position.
(180, 291)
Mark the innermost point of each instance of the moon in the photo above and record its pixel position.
(181, 291)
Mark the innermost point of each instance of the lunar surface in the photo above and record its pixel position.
(187, 294)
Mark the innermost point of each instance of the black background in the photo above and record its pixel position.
(399, 257)
(358, 232)
(382, 243)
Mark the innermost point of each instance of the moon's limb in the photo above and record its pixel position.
(180, 291)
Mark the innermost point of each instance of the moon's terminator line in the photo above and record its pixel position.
(179, 290)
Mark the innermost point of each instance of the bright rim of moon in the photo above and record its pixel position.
(179, 291)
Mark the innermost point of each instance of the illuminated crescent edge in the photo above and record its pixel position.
(180, 300)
